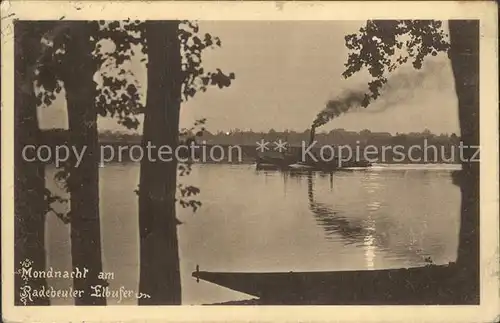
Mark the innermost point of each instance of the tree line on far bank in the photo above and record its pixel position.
(294, 138)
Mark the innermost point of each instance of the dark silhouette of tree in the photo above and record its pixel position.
(29, 176)
(159, 262)
(71, 66)
(377, 47)
(74, 58)
(464, 55)
(83, 181)
(174, 74)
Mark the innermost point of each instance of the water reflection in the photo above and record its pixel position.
(332, 221)
(372, 230)
(275, 221)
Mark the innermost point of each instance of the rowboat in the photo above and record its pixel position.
(422, 285)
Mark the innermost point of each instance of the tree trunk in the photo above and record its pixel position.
(29, 177)
(159, 259)
(464, 55)
(83, 183)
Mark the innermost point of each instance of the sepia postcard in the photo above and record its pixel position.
(250, 161)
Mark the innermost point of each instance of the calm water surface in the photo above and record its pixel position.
(386, 217)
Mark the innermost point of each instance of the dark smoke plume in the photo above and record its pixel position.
(400, 87)
(336, 107)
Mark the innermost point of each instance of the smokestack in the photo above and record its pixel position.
(312, 133)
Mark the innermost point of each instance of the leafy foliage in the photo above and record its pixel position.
(383, 45)
(49, 66)
(117, 88)
(192, 46)
(185, 200)
(118, 92)
(184, 168)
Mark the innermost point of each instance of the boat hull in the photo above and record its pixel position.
(300, 166)
(423, 285)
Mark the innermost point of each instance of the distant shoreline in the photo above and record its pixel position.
(446, 147)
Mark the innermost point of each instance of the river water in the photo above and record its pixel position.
(389, 216)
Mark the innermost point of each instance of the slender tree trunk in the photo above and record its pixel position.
(83, 183)
(29, 176)
(159, 259)
(464, 55)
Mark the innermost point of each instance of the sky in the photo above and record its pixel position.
(286, 71)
